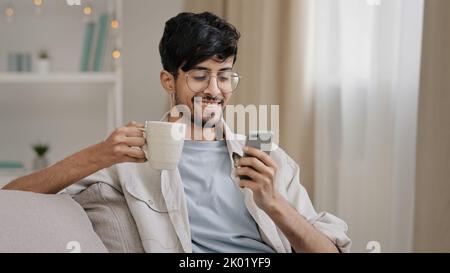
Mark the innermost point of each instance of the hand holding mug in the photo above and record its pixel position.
(123, 145)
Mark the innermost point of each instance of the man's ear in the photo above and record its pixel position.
(167, 81)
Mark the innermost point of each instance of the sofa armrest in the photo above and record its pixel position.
(31, 222)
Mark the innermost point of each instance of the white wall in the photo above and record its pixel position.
(144, 98)
(70, 117)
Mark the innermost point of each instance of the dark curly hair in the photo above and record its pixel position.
(191, 38)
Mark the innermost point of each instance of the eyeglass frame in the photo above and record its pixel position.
(210, 77)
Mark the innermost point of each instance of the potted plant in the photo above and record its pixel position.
(43, 64)
(40, 161)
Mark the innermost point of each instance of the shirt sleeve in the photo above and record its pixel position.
(108, 176)
(331, 226)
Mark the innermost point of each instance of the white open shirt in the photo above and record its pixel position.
(157, 202)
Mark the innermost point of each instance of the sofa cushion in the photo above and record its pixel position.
(111, 218)
(31, 222)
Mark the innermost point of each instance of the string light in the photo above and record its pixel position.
(87, 10)
(116, 54)
(9, 12)
(38, 6)
(115, 24)
(38, 3)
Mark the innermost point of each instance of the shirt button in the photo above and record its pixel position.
(150, 202)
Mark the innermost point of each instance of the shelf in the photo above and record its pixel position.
(90, 77)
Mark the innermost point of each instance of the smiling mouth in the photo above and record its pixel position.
(206, 101)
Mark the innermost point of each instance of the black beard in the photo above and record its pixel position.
(202, 122)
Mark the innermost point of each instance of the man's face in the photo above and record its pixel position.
(206, 106)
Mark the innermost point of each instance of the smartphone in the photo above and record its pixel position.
(261, 140)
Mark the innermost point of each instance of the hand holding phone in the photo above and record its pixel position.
(261, 140)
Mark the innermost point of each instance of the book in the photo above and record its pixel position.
(10, 169)
(10, 165)
(101, 42)
(20, 62)
(27, 62)
(93, 47)
(87, 46)
(12, 64)
(108, 62)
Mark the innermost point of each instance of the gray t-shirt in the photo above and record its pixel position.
(219, 220)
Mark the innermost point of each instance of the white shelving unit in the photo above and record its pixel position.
(114, 99)
(110, 83)
(115, 94)
(58, 78)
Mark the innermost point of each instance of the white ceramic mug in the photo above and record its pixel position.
(164, 144)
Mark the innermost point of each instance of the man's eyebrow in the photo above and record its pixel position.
(207, 69)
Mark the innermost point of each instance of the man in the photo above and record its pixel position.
(202, 206)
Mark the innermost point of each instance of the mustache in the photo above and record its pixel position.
(207, 97)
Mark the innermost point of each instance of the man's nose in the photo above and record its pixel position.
(213, 87)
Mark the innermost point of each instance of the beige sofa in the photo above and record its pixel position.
(95, 220)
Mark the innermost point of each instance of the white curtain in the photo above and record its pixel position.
(366, 78)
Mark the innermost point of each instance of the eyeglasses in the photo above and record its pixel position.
(198, 80)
